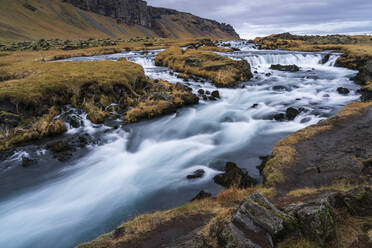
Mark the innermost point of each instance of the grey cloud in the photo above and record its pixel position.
(254, 18)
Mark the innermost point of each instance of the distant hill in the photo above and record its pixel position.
(82, 19)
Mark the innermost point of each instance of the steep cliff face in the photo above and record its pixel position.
(124, 11)
(133, 12)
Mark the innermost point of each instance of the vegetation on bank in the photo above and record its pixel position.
(222, 71)
(284, 154)
(31, 87)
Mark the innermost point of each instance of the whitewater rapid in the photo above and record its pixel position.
(143, 167)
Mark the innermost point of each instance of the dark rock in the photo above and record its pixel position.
(254, 105)
(314, 219)
(280, 88)
(306, 120)
(326, 95)
(365, 73)
(366, 94)
(279, 117)
(359, 201)
(208, 92)
(291, 113)
(216, 94)
(27, 162)
(62, 150)
(343, 91)
(212, 98)
(268, 74)
(205, 98)
(325, 59)
(202, 195)
(256, 224)
(234, 176)
(201, 91)
(196, 174)
(289, 68)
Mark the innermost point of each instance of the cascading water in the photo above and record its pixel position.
(143, 167)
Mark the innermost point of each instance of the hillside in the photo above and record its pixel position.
(72, 20)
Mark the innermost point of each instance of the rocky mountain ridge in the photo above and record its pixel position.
(137, 12)
(26, 20)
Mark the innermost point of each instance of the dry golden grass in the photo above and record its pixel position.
(342, 185)
(296, 242)
(223, 71)
(41, 80)
(348, 228)
(284, 152)
(145, 223)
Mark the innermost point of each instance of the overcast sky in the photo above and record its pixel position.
(252, 18)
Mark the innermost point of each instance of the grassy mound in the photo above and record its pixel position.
(223, 71)
(32, 95)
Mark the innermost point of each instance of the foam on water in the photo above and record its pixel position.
(144, 167)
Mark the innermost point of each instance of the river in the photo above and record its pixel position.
(142, 167)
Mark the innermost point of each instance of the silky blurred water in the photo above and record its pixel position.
(143, 167)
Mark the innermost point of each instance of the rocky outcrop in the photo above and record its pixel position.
(255, 224)
(124, 11)
(258, 223)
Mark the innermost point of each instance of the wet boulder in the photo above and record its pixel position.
(288, 68)
(343, 91)
(279, 117)
(292, 113)
(234, 176)
(196, 174)
(202, 195)
(215, 94)
(201, 92)
(280, 88)
(326, 58)
(62, 150)
(27, 162)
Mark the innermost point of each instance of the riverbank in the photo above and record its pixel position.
(330, 158)
(33, 90)
(198, 141)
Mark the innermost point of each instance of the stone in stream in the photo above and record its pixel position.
(196, 174)
(280, 88)
(279, 117)
(289, 68)
(27, 162)
(291, 113)
(234, 176)
(201, 91)
(201, 195)
(343, 91)
(215, 94)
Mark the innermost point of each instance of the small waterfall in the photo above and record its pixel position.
(267, 59)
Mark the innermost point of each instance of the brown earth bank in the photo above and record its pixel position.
(317, 181)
